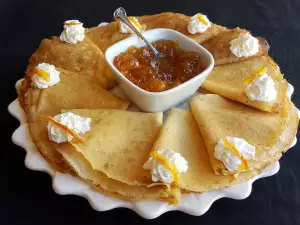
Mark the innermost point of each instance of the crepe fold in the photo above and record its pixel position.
(85, 58)
(114, 151)
(179, 22)
(73, 91)
(228, 81)
(219, 47)
(105, 36)
(270, 133)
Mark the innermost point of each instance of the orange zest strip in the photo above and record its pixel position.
(65, 128)
(166, 164)
(40, 73)
(201, 19)
(135, 22)
(233, 149)
(255, 75)
(72, 23)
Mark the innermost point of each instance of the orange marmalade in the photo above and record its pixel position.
(156, 75)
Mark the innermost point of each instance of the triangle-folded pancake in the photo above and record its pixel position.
(179, 22)
(228, 81)
(105, 36)
(119, 143)
(181, 134)
(84, 58)
(73, 91)
(112, 187)
(219, 118)
(219, 47)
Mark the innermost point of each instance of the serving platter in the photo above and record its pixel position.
(66, 184)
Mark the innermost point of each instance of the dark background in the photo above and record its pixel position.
(28, 197)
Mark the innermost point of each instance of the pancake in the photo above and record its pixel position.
(219, 47)
(84, 58)
(228, 81)
(110, 34)
(112, 187)
(181, 134)
(73, 91)
(219, 118)
(179, 22)
(119, 143)
(105, 36)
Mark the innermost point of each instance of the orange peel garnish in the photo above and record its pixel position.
(64, 127)
(244, 166)
(72, 23)
(166, 164)
(255, 75)
(202, 19)
(135, 22)
(40, 73)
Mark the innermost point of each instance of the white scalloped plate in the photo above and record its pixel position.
(65, 184)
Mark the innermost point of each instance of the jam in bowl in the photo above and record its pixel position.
(158, 85)
(140, 66)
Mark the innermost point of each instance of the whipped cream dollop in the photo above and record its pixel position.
(262, 88)
(74, 122)
(134, 21)
(232, 159)
(103, 24)
(244, 45)
(73, 32)
(166, 165)
(44, 75)
(199, 23)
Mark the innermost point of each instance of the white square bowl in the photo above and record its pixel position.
(160, 101)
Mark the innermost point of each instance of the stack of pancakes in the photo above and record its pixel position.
(112, 155)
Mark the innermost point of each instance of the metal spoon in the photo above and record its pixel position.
(120, 14)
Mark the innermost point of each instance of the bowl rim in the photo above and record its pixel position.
(174, 89)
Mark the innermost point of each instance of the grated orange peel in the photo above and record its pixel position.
(135, 22)
(244, 166)
(64, 127)
(259, 73)
(41, 73)
(166, 164)
(202, 19)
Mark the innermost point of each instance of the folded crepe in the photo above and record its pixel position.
(73, 91)
(270, 133)
(219, 47)
(179, 22)
(112, 187)
(119, 143)
(84, 58)
(228, 81)
(114, 151)
(181, 134)
(105, 36)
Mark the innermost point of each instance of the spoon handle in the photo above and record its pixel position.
(120, 14)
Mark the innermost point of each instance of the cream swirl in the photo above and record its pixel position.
(73, 32)
(262, 88)
(166, 165)
(232, 160)
(244, 45)
(53, 76)
(199, 23)
(74, 122)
